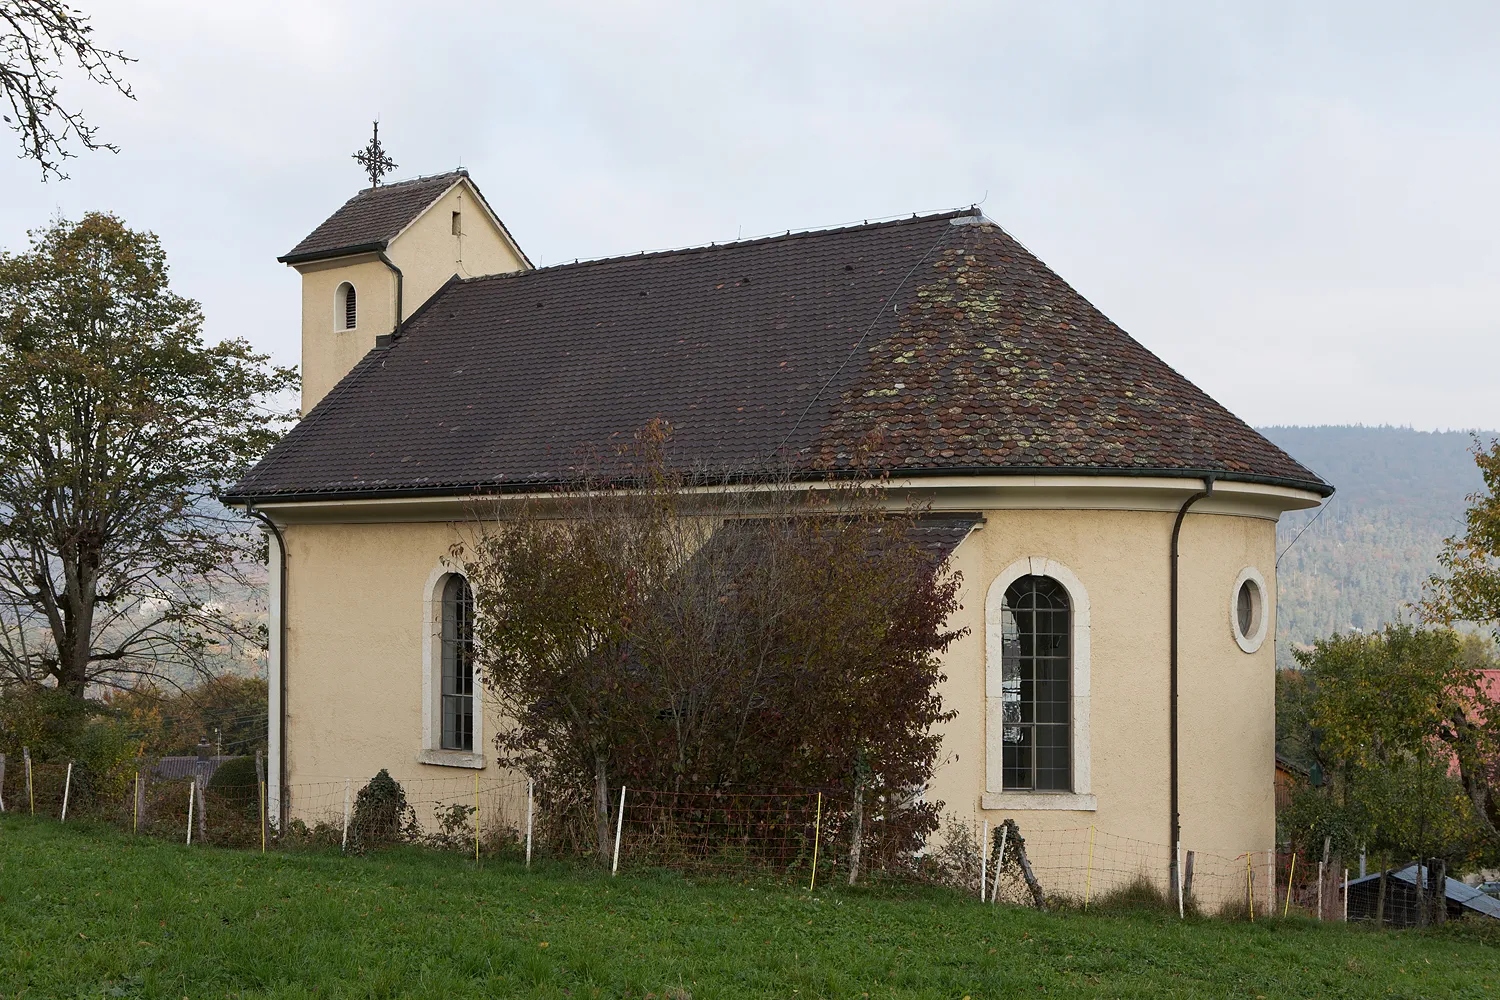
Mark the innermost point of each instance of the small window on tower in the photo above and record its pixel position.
(458, 223)
(348, 312)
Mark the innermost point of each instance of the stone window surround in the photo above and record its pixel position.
(1081, 798)
(432, 665)
(1250, 643)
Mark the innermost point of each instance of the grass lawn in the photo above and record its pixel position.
(89, 912)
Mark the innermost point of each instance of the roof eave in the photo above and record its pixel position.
(378, 246)
(499, 489)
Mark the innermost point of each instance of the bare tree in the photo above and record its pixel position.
(118, 427)
(38, 40)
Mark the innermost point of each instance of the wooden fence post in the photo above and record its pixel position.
(199, 787)
(999, 862)
(1038, 898)
(30, 789)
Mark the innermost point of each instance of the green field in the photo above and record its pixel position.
(89, 912)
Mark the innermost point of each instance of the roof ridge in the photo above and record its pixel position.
(787, 236)
(404, 182)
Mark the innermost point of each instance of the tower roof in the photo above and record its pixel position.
(931, 345)
(369, 221)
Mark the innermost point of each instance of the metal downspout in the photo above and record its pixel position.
(396, 331)
(1176, 835)
(281, 788)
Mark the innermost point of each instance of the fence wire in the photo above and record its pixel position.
(792, 836)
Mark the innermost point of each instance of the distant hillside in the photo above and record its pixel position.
(1400, 493)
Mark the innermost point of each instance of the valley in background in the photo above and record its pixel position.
(1363, 561)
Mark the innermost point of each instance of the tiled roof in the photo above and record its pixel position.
(372, 218)
(188, 767)
(935, 344)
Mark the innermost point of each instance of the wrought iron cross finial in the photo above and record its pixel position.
(374, 159)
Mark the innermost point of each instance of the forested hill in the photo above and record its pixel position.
(1400, 493)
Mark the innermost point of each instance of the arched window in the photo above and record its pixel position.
(1036, 675)
(347, 311)
(458, 665)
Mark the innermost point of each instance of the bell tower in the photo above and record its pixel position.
(382, 255)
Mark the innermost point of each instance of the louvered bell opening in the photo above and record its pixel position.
(349, 310)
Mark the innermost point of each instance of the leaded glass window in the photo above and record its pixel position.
(458, 665)
(1036, 674)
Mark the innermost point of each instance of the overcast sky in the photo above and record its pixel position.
(1296, 205)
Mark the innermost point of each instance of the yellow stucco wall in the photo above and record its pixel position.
(328, 350)
(356, 663)
(427, 253)
(1226, 696)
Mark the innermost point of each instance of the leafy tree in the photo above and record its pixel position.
(38, 39)
(118, 425)
(1469, 588)
(1385, 694)
(671, 638)
(227, 711)
(59, 729)
(1378, 717)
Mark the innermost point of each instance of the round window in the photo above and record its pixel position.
(1247, 610)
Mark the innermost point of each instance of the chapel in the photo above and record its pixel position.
(1096, 502)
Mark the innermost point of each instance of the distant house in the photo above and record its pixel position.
(1401, 897)
(1119, 526)
(1289, 774)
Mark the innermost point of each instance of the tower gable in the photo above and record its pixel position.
(389, 249)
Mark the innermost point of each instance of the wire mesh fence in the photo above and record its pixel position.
(794, 836)
(1088, 867)
(722, 832)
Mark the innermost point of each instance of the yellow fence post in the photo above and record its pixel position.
(1286, 907)
(1250, 888)
(817, 832)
